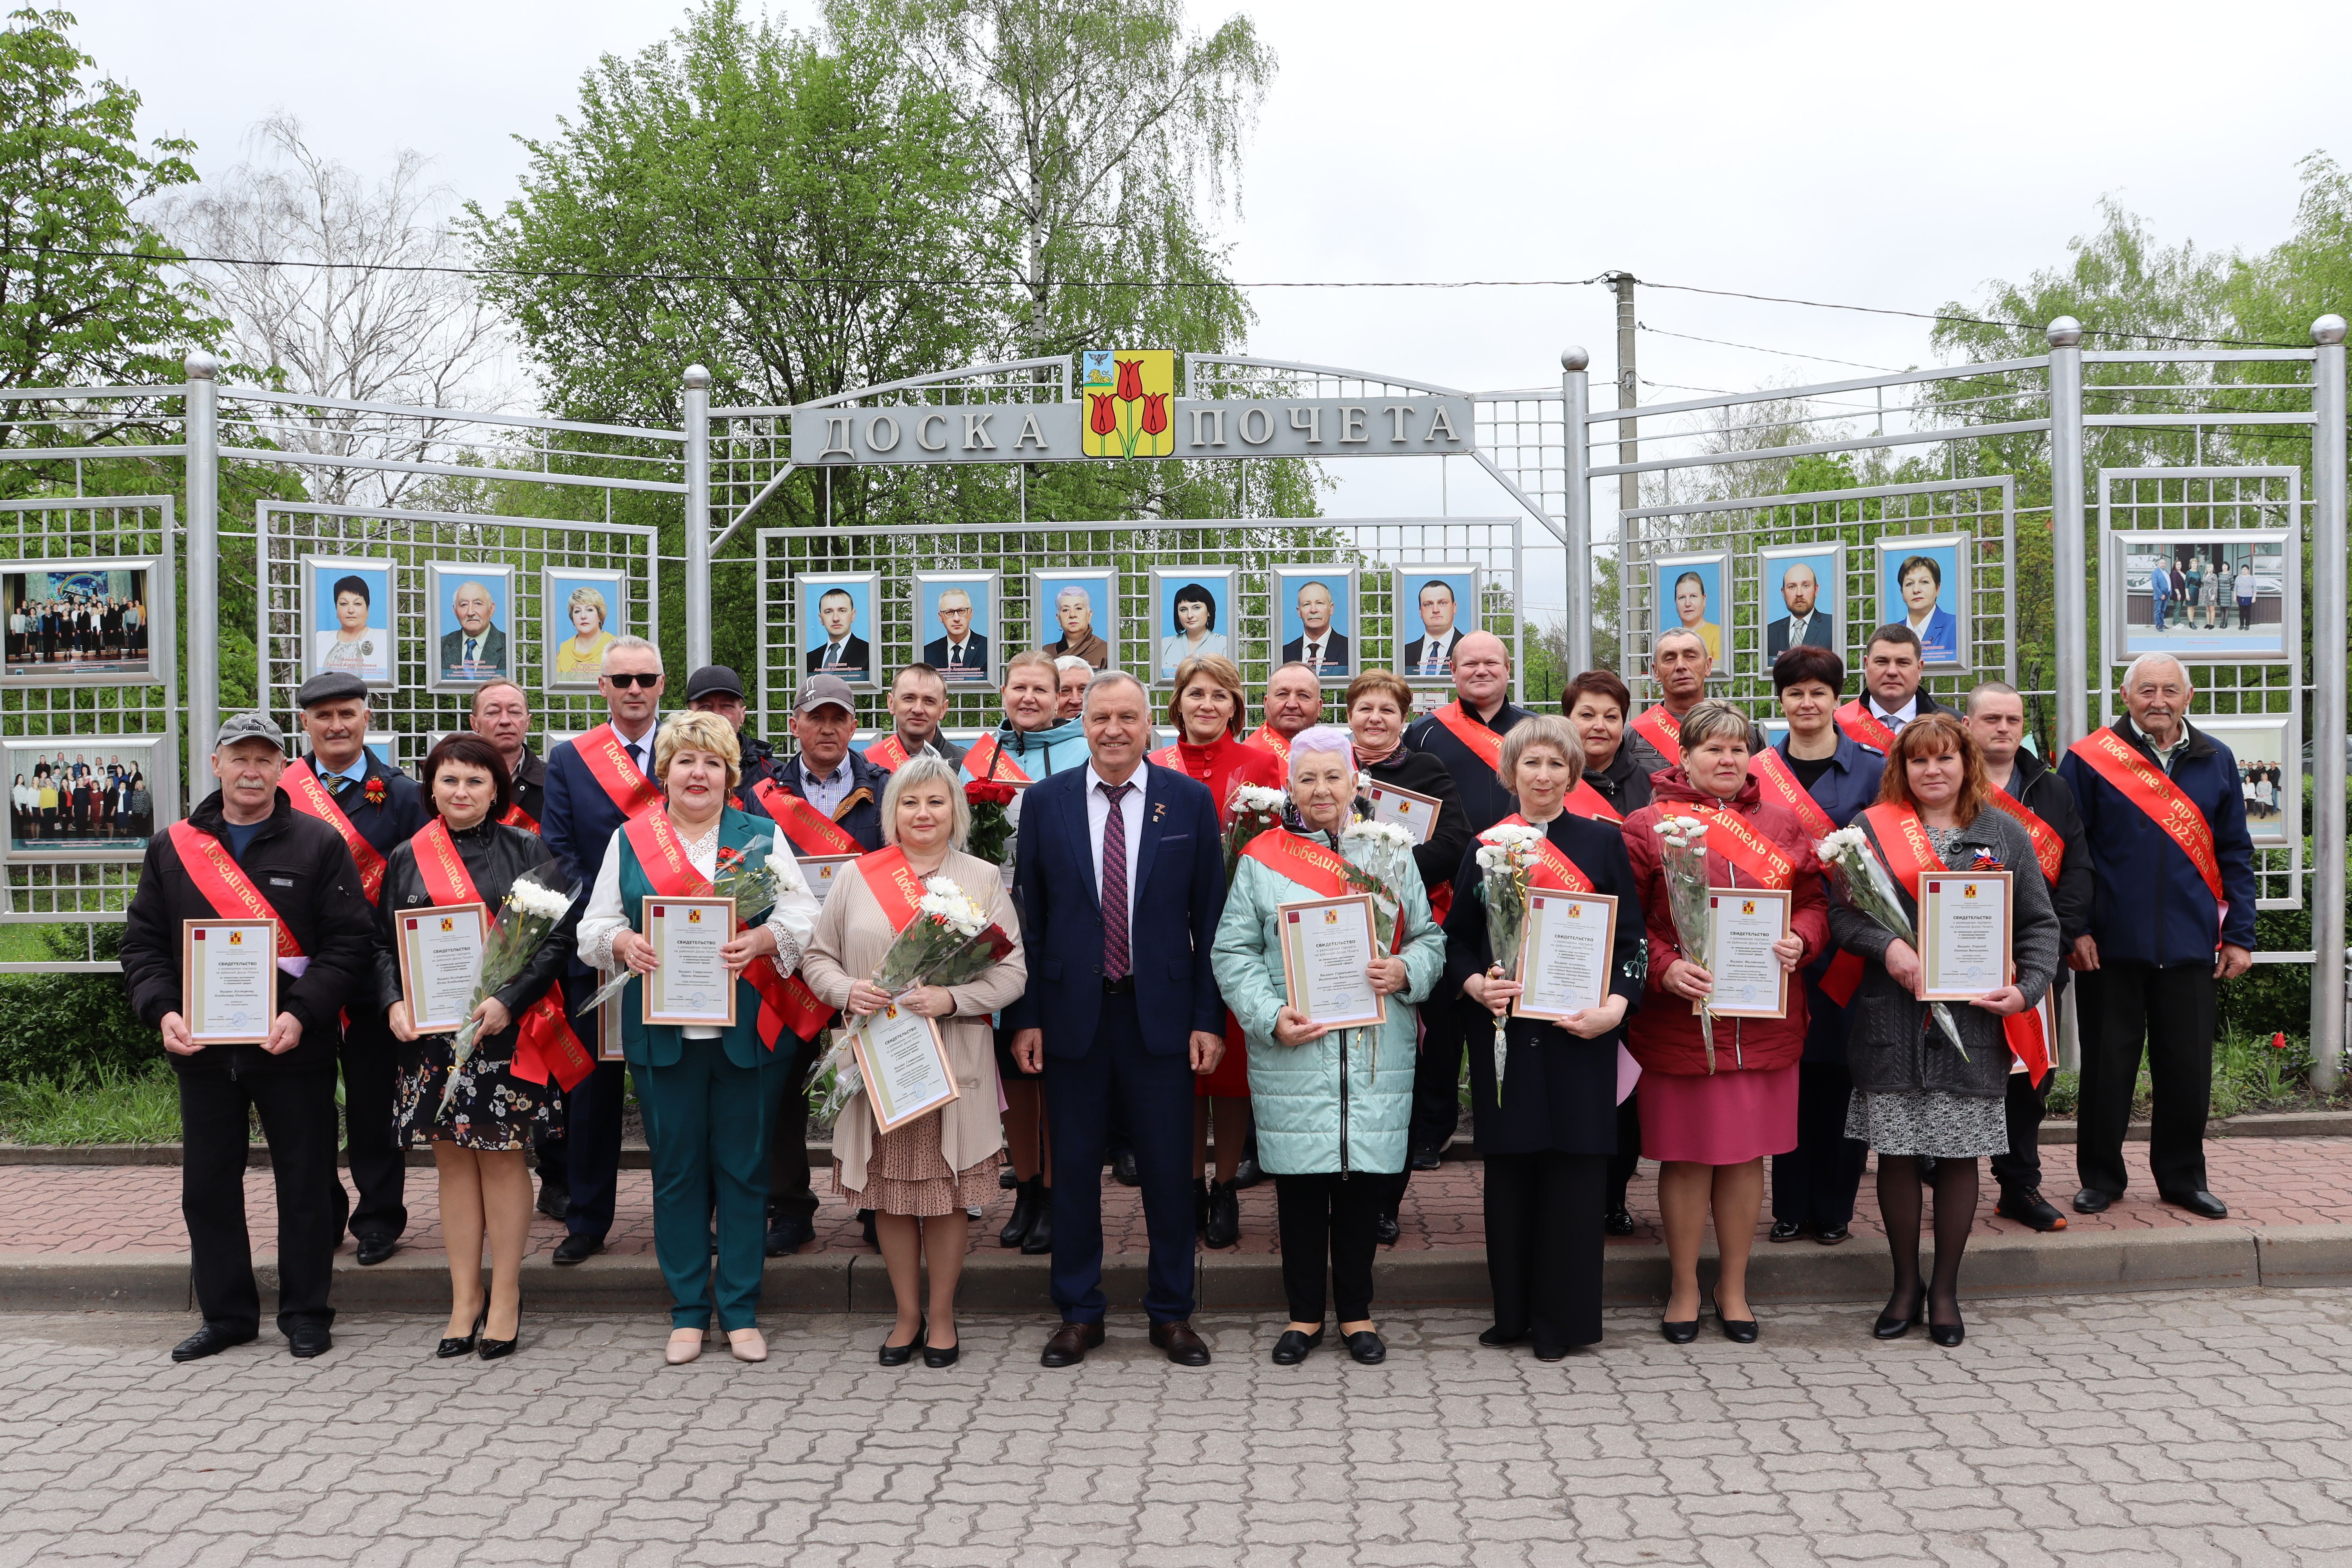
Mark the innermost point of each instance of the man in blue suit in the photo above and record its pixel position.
(584, 807)
(1119, 873)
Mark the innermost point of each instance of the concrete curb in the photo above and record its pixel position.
(2203, 1257)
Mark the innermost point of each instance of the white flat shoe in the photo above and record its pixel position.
(685, 1344)
(747, 1344)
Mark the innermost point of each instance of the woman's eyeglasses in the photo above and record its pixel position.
(623, 682)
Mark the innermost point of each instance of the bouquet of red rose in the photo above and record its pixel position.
(991, 821)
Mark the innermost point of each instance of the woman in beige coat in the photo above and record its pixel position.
(920, 1178)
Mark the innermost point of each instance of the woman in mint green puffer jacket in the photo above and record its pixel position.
(1332, 1109)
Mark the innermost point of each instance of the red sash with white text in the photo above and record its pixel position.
(610, 765)
(516, 816)
(2049, 849)
(784, 1005)
(886, 753)
(1739, 841)
(1586, 802)
(547, 1048)
(1663, 732)
(894, 885)
(1483, 743)
(811, 831)
(1273, 740)
(1554, 871)
(986, 760)
(1782, 786)
(1314, 867)
(2147, 786)
(1863, 729)
(1168, 756)
(224, 885)
(311, 798)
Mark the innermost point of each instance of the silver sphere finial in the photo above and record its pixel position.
(202, 366)
(2328, 329)
(1574, 357)
(697, 378)
(2066, 332)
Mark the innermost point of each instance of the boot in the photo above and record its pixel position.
(1029, 1197)
(1200, 1206)
(1040, 1239)
(1223, 1227)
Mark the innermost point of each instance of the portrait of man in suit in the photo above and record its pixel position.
(1805, 624)
(475, 647)
(1431, 653)
(1073, 612)
(960, 654)
(1319, 644)
(839, 650)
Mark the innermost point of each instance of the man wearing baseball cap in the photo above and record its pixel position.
(244, 853)
(715, 688)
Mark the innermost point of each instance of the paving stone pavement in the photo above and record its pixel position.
(2179, 1427)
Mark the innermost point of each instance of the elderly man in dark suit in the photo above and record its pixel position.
(1119, 873)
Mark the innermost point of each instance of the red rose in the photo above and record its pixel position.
(987, 792)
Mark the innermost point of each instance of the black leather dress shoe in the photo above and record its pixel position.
(499, 1349)
(2200, 1202)
(1495, 1336)
(1184, 1347)
(578, 1247)
(210, 1340)
(2090, 1200)
(1366, 1346)
(1385, 1230)
(1005, 1180)
(787, 1234)
(1293, 1346)
(308, 1339)
(1831, 1235)
(1617, 1222)
(1040, 1239)
(1247, 1174)
(554, 1198)
(1949, 1335)
(934, 1356)
(1124, 1170)
(1551, 1352)
(899, 1355)
(1739, 1331)
(2027, 1207)
(1224, 1221)
(1070, 1344)
(1785, 1230)
(1426, 1159)
(374, 1249)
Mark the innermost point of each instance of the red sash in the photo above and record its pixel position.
(1782, 786)
(547, 1048)
(1483, 743)
(894, 885)
(2049, 849)
(784, 1005)
(224, 885)
(811, 831)
(1272, 740)
(886, 753)
(1586, 802)
(1863, 729)
(1168, 757)
(311, 798)
(2145, 785)
(1554, 871)
(1315, 866)
(1739, 841)
(985, 755)
(516, 816)
(1663, 732)
(610, 765)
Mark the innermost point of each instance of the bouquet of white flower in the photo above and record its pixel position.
(835, 1079)
(1382, 853)
(534, 906)
(1254, 808)
(1683, 851)
(1862, 882)
(1506, 859)
(946, 925)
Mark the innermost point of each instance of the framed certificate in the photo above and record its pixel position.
(1964, 920)
(1742, 925)
(1327, 945)
(819, 871)
(440, 959)
(608, 1022)
(904, 1063)
(1416, 814)
(228, 980)
(1565, 961)
(690, 983)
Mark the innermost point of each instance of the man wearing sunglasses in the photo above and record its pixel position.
(593, 784)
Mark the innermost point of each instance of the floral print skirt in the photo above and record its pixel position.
(492, 1109)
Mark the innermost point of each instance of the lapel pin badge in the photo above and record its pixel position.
(1158, 809)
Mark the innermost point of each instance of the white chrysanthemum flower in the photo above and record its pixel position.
(1258, 798)
(532, 899)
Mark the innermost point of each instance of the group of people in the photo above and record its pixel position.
(66, 631)
(2186, 585)
(80, 801)
(2262, 782)
(1135, 1016)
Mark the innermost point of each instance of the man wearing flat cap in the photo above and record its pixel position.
(373, 809)
(244, 853)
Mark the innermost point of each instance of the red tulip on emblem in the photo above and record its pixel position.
(1155, 412)
(1131, 380)
(1101, 418)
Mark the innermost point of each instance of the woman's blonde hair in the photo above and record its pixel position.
(586, 595)
(1539, 730)
(926, 769)
(1712, 718)
(1219, 671)
(692, 730)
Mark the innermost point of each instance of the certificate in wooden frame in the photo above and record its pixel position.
(1542, 896)
(407, 922)
(1296, 914)
(1414, 812)
(1786, 900)
(238, 933)
(1970, 884)
(821, 872)
(891, 1124)
(660, 1006)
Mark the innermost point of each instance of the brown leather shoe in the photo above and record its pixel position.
(1070, 1344)
(1184, 1347)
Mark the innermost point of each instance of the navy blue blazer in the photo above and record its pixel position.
(1176, 896)
(2152, 906)
(579, 821)
(387, 826)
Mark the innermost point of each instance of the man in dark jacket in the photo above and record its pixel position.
(2161, 932)
(717, 690)
(2031, 791)
(244, 850)
(501, 715)
(1892, 664)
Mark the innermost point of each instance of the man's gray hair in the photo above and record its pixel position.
(1072, 661)
(636, 645)
(2131, 670)
(922, 769)
(1111, 680)
(1659, 642)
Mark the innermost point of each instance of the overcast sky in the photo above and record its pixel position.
(1878, 154)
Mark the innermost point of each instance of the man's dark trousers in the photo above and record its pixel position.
(1150, 1099)
(298, 1118)
(2172, 1009)
(592, 1161)
(371, 1064)
(789, 1192)
(1437, 1075)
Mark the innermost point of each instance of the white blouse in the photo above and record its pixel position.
(794, 919)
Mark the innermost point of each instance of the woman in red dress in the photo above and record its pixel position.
(1207, 713)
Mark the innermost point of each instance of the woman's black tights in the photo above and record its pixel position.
(1956, 1211)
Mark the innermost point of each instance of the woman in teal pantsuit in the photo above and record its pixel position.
(708, 1094)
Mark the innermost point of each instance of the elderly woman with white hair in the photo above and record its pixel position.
(1332, 1105)
(919, 1178)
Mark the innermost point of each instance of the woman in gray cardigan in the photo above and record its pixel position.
(1914, 1097)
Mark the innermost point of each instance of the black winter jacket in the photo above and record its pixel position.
(1440, 858)
(494, 857)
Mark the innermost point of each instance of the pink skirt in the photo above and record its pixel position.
(1726, 1118)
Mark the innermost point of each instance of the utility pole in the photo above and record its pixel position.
(1629, 449)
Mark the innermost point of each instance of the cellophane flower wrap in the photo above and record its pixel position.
(1864, 882)
(1506, 859)
(1253, 809)
(533, 907)
(1682, 851)
(991, 824)
(747, 875)
(1379, 853)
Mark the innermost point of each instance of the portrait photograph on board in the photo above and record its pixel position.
(956, 626)
(1923, 583)
(347, 611)
(1313, 609)
(837, 627)
(83, 798)
(1436, 604)
(469, 616)
(1801, 588)
(1192, 616)
(78, 623)
(2203, 595)
(1075, 610)
(583, 611)
(1687, 595)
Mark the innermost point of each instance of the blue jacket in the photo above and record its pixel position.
(1850, 782)
(396, 821)
(2152, 906)
(860, 812)
(1176, 894)
(578, 822)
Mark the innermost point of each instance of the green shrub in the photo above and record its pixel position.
(72, 1027)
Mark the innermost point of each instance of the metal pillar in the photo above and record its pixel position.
(697, 521)
(203, 615)
(1629, 449)
(2328, 694)
(1576, 507)
(2072, 577)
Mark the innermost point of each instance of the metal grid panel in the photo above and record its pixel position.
(1524, 434)
(1251, 546)
(408, 539)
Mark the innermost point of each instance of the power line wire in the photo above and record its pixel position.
(1753, 348)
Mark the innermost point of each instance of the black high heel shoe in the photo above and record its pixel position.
(1894, 1328)
(1739, 1331)
(899, 1355)
(1680, 1334)
(498, 1350)
(1948, 1334)
(450, 1350)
